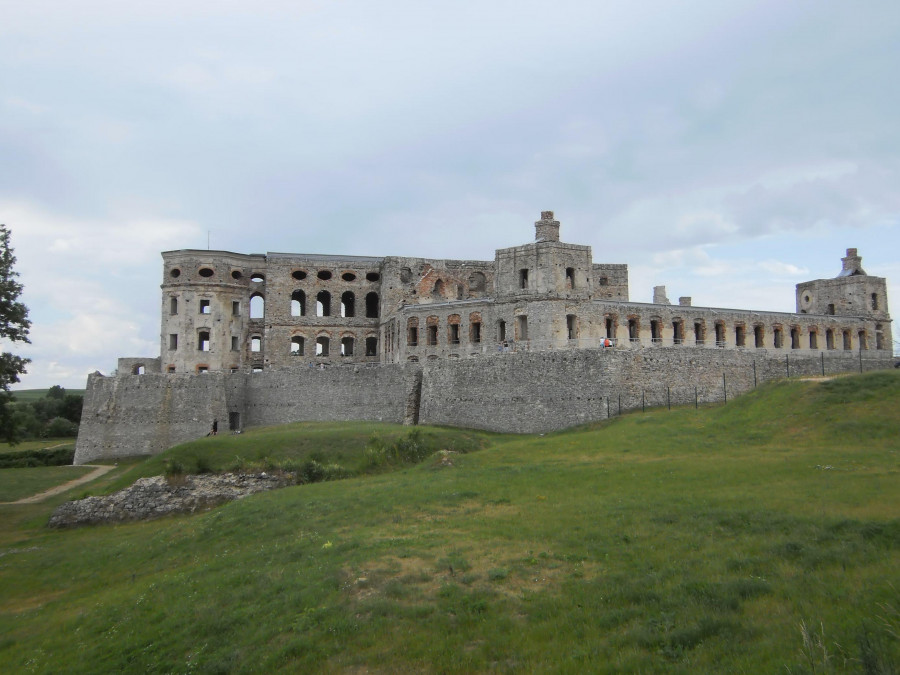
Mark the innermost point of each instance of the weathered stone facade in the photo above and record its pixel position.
(265, 339)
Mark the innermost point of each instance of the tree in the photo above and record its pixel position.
(14, 325)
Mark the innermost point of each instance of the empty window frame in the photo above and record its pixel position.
(610, 327)
(205, 307)
(298, 303)
(829, 339)
(202, 370)
(412, 332)
(235, 343)
(813, 339)
(475, 332)
(372, 303)
(203, 341)
(830, 309)
(347, 344)
(879, 336)
(570, 278)
(523, 278)
(501, 331)
(453, 329)
(256, 344)
(432, 335)
(521, 328)
(170, 369)
(298, 344)
(740, 336)
(634, 330)
(678, 331)
(656, 331)
(173, 341)
(759, 333)
(437, 291)
(257, 306)
(848, 340)
(863, 341)
(235, 308)
(720, 334)
(699, 333)
(571, 327)
(138, 369)
(874, 300)
(348, 304)
(371, 346)
(795, 337)
(323, 303)
(173, 306)
(778, 337)
(322, 346)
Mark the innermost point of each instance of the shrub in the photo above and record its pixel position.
(60, 427)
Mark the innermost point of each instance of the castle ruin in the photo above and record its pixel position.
(539, 338)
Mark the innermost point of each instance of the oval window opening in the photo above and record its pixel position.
(236, 275)
(175, 273)
(324, 275)
(373, 276)
(348, 276)
(205, 272)
(299, 275)
(258, 278)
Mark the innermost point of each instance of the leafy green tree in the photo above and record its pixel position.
(57, 392)
(14, 325)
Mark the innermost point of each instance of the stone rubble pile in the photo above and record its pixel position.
(156, 496)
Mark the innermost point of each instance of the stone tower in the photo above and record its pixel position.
(546, 229)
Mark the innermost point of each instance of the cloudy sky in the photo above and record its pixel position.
(725, 149)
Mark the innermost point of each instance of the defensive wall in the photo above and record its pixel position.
(526, 392)
(539, 339)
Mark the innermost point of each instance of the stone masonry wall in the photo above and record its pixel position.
(528, 392)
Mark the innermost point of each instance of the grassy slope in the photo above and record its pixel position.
(18, 483)
(684, 541)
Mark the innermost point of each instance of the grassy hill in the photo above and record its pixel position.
(758, 537)
(31, 395)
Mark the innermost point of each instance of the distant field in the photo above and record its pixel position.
(38, 444)
(762, 536)
(29, 395)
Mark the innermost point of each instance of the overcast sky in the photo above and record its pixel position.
(728, 150)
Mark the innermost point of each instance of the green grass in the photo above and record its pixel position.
(18, 483)
(31, 395)
(758, 537)
(38, 444)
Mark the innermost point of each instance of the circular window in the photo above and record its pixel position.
(205, 272)
(257, 277)
(236, 274)
(324, 275)
(299, 275)
(805, 298)
(175, 273)
(348, 276)
(373, 276)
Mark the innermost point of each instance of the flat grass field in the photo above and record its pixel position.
(31, 395)
(762, 536)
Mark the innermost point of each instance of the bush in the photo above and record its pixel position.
(60, 427)
(30, 458)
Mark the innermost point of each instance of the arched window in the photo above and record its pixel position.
(297, 345)
(412, 331)
(257, 306)
(371, 346)
(570, 278)
(323, 304)
(437, 293)
(372, 311)
(347, 344)
(348, 304)
(322, 344)
(298, 303)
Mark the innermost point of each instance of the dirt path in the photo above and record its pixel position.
(98, 470)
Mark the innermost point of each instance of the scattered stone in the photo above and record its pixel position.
(157, 496)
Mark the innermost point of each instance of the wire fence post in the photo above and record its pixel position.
(860, 356)
(696, 399)
(787, 364)
(823, 363)
(668, 397)
(620, 404)
(754, 373)
(724, 388)
(607, 407)
(643, 402)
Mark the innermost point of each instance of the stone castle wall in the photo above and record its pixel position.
(516, 392)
